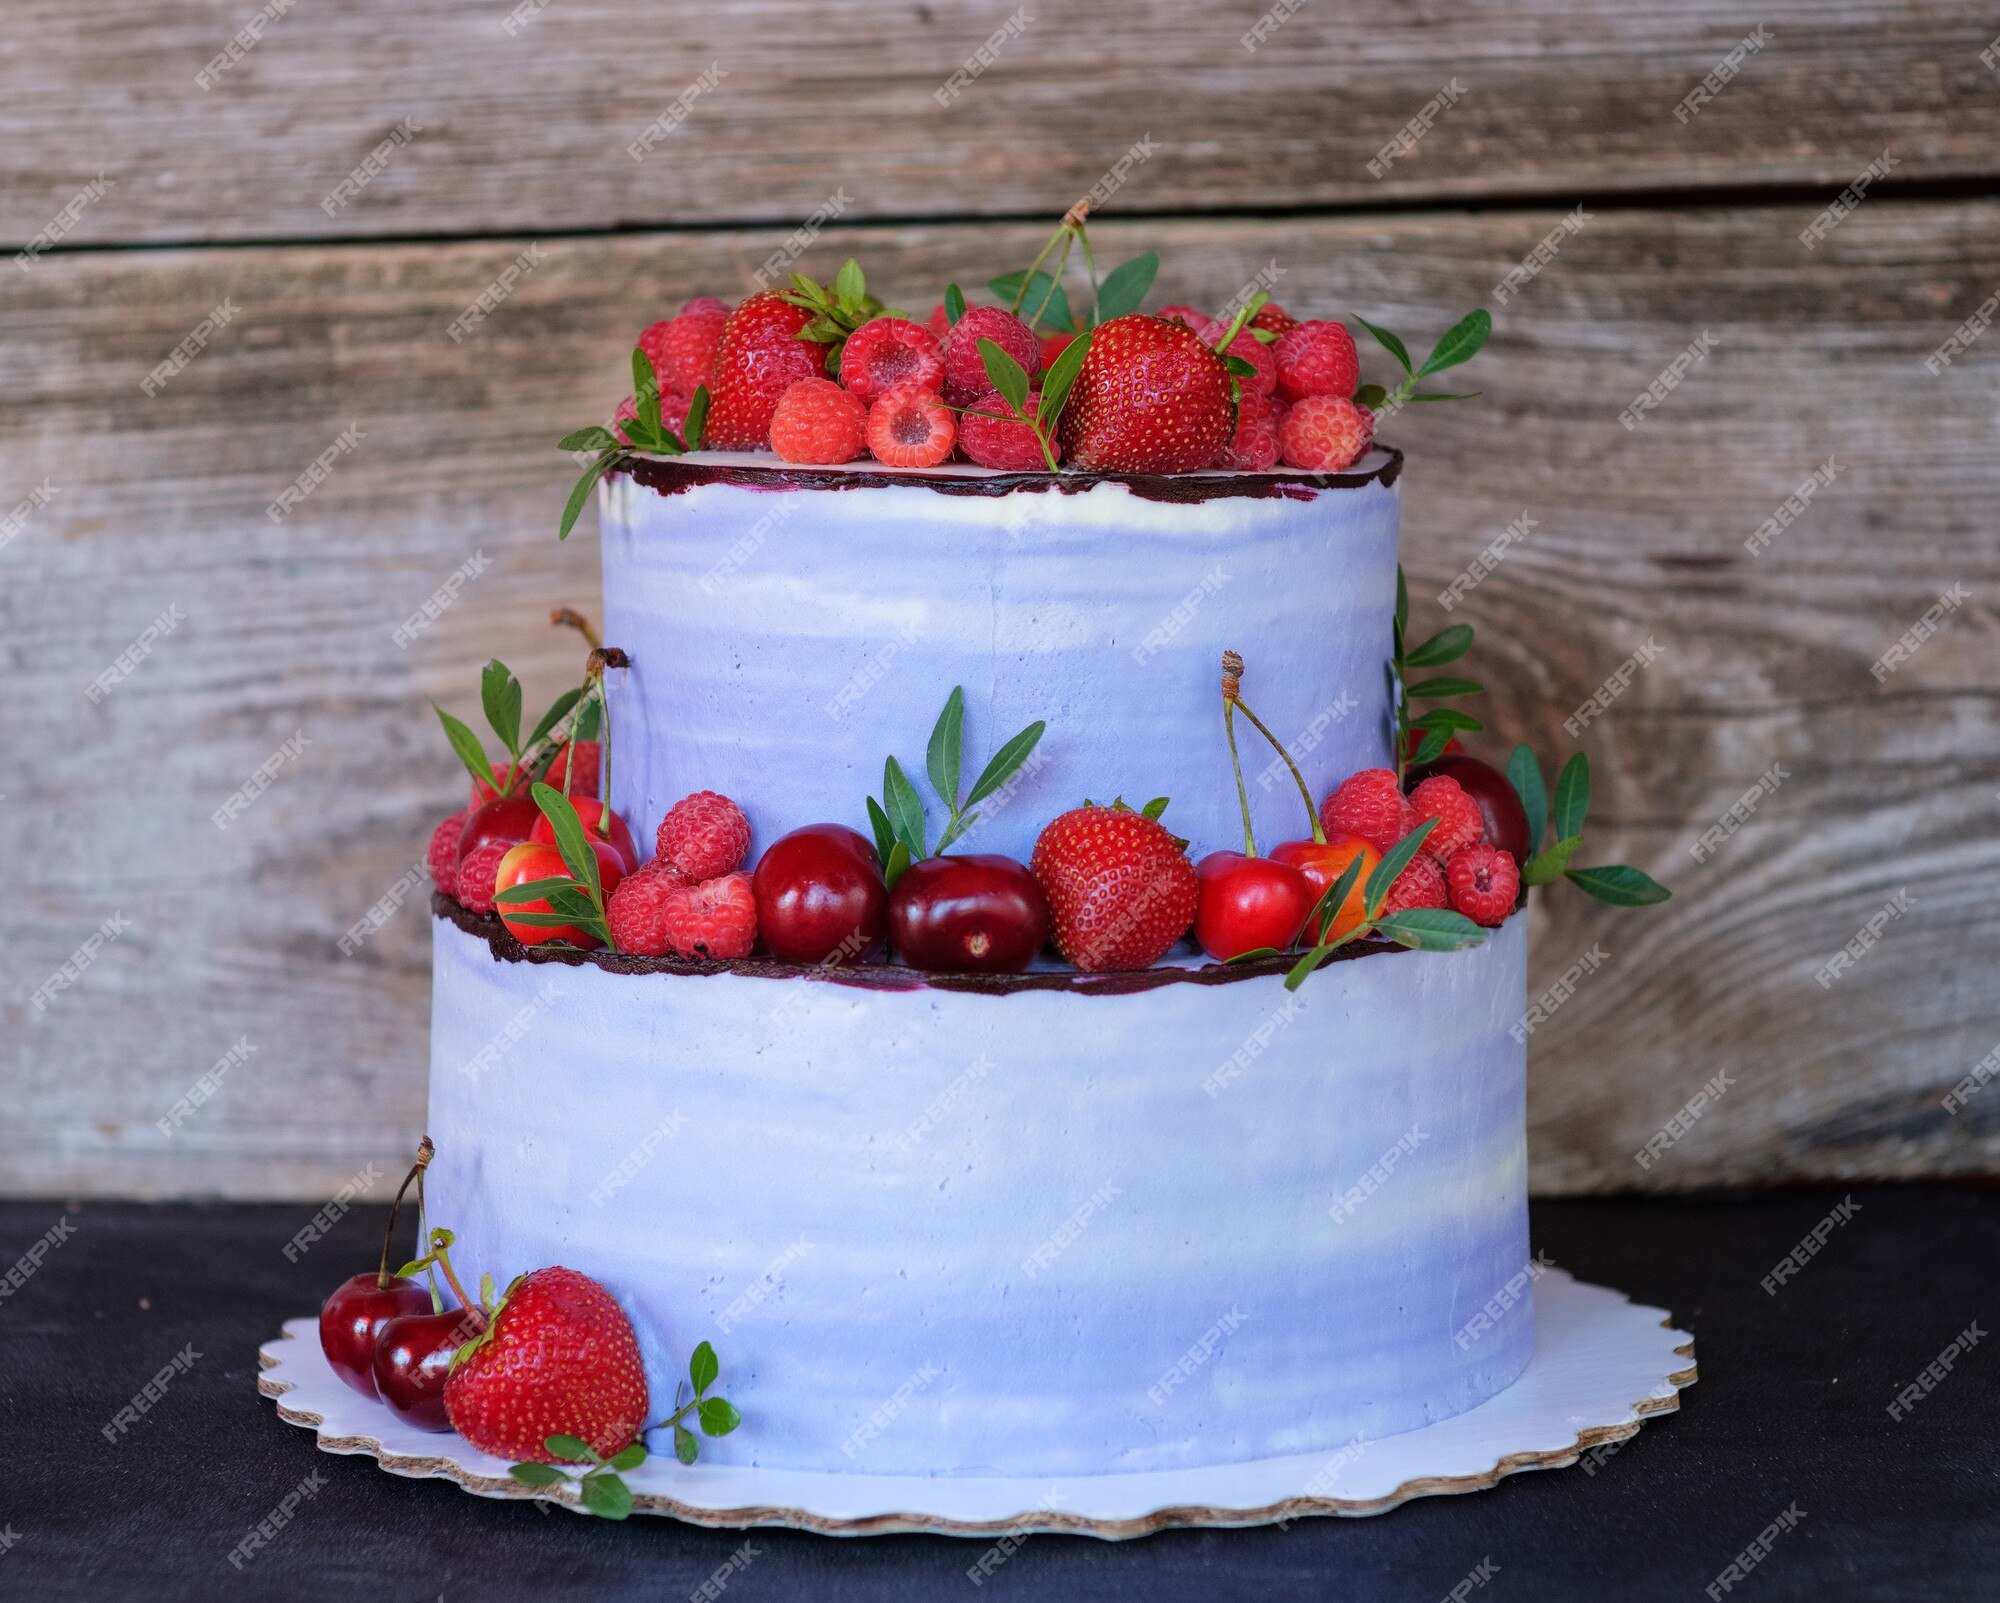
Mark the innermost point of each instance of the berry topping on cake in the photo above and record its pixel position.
(758, 358)
(939, 323)
(1460, 822)
(965, 377)
(716, 920)
(1053, 345)
(821, 897)
(1151, 397)
(1372, 805)
(574, 769)
(1273, 318)
(819, 423)
(1323, 863)
(683, 348)
(1421, 884)
(703, 837)
(988, 436)
(673, 413)
(1484, 882)
(1317, 359)
(977, 914)
(1255, 446)
(442, 858)
(1247, 348)
(604, 829)
(635, 912)
(478, 872)
(558, 1359)
(704, 303)
(909, 427)
(887, 352)
(1325, 434)
(1121, 889)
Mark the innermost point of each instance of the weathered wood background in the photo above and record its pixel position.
(516, 134)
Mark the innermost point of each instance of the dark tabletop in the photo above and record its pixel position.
(1792, 1412)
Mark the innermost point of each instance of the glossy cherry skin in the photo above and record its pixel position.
(354, 1316)
(589, 809)
(413, 1360)
(532, 860)
(1245, 903)
(1506, 819)
(510, 819)
(1322, 863)
(820, 896)
(976, 914)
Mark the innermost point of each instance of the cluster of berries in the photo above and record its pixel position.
(1457, 867)
(1152, 394)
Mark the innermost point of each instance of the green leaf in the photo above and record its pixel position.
(1403, 604)
(1042, 301)
(572, 1448)
(1431, 747)
(897, 861)
(1447, 718)
(1371, 396)
(697, 419)
(1447, 645)
(466, 744)
(1394, 861)
(1524, 773)
(500, 695)
(595, 438)
(1254, 955)
(947, 740)
(1619, 885)
(570, 840)
(413, 1268)
(1005, 762)
(1545, 868)
(573, 508)
(1305, 965)
(849, 284)
(718, 1418)
(686, 1448)
(630, 1457)
(1154, 808)
(1125, 286)
(1461, 343)
(1333, 899)
(1446, 687)
(1240, 368)
(587, 720)
(607, 1497)
(905, 808)
(703, 1367)
(573, 902)
(954, 305)
(1058, 377)
(1572, 796)
(1444, 395)
(646, 393)
(885, 834)
(1006, 375)
(537, 1474)
(1388, 342)
(1432, 929)
(534, 891)
(557, 921)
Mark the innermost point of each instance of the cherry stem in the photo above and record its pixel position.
(425, 1151)
(1232, 681)
(423, 1234)
(571, 618)
(1305, 792)
(440, 1255)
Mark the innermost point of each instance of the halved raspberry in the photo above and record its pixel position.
(1325, 434)
(887, 352)
(1372, 805)
(1421, 884)
(1484, 883)
(910, 427)
(1317, 358)
(1460, 822)
(989, 435)
(716, 920)
(965, 377)
(817, 422)
(703, 836)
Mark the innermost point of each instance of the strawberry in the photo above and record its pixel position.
(1121, 889)
(1149, 398)
(758, 358)
(558, 1359)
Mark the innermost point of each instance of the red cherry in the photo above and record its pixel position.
(589, 809)
(532, 860)
(506, 818)
(353, 1317)
(1506, 819)
(1322, 863)
(977, 914)
(413, 1360)
(820, 896)
(1249, 902)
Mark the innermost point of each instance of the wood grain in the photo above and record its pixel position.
(1638, 534)
(528, 124)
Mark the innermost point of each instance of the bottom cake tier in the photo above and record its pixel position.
(1046, 1225)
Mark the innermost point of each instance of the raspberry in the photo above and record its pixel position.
(1274, 318)
(965, 377)
(703, 837)
(1484, 882)
(1421, 884)
(1460, 822)
(1199, 321)
(939, 323)
(999, 441)
(479, 874)
(705, 303)
(716, 920)
(443, 855)
(910, 427)
(1249, 348)
(1255, 446)
(1317, 359)
(635, 913)
(673, 412)
(818, 422)
(1372, 805)
(683, 348)
(887, 352)
(1324, 434)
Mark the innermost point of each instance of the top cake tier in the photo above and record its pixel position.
(791, 628)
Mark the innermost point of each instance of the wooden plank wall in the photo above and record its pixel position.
(149, 506)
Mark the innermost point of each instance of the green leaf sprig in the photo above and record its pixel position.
(500, 699)
(1011, 380)
(1460, 343)
(574, 902)
(1036, 292)
(601, 1488)
(1436, 727)
(838, 309)
(899, 820)
(1614, 883)
(1426, 929)
(714, 1415)
(646, 432)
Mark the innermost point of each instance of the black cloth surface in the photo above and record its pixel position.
(1792, 1412)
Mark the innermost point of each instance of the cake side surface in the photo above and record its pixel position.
(1041, 1233)
(784, 641)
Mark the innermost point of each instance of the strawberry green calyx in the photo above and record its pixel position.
(838, 309)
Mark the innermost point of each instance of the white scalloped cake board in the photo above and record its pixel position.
(1602, 1364)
